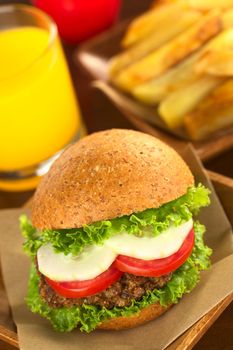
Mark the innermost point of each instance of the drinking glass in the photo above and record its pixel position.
(39, 113)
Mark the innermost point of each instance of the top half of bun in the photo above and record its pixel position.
(106, 175)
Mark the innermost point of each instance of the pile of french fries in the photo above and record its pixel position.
(178, 57)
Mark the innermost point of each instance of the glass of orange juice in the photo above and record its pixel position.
(39, 114)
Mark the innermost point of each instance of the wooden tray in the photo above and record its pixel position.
(224, 189)
(94, 55)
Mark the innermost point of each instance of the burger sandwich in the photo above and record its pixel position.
(112, 235)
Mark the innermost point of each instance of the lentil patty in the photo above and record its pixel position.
(120, 293)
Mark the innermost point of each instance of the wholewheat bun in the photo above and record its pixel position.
(106, 175)
(145, 315)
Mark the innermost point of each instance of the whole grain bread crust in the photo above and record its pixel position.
(145, 315)
(106, 175)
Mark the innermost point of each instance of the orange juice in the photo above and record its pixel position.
(38, 110)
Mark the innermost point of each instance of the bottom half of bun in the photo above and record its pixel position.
(145, 315)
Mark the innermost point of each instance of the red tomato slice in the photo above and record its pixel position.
(79, 289)
(157, 267)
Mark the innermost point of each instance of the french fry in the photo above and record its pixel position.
(227, 18)
(160, 60)
(202, 5)
(214, 113)
(219, 96)
(183, 101)
(150, 22)
(217, 63)
(221, 42)
(201, 125)
(175, 78)
(165, 33)
(217, 58)
(180, 75)
(206, 5)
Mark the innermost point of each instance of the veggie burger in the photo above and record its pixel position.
(113, 239)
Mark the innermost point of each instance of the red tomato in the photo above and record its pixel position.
(80, 19)
(157, 267)
(79, 289)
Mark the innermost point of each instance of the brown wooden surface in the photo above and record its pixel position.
(196, 332)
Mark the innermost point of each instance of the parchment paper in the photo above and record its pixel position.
(35, 333)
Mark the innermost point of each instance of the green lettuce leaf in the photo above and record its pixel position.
(87, 317)
(156, 220)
